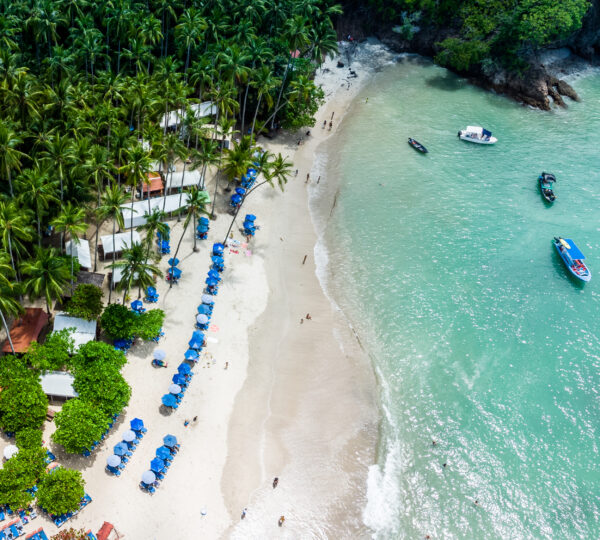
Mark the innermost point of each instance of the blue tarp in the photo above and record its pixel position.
(573, 251)
(168, 400)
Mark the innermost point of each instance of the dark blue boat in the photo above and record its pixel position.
(546, 189)
(573, 258)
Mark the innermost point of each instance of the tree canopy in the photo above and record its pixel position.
(60, 491)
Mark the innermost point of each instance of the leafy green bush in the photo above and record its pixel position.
(97, 355)
(86, 302)
(54, 354)
(78, 425)
(29, 438)
(148, 324)
(103, 388)
(23, 404)
(118, 322)
(61, 491)
(459, 54)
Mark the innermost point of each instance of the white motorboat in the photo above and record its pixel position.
(477, 134)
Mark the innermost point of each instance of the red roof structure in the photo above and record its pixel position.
(26, 329)
(154, 185)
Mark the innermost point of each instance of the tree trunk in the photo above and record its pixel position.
(256, 113)
(39, 229)
(12, 195)
(131, 223)
(194, 224)
(112, 274)
(7, 332)
(12, 259)
(176, 252)
(181, 189)
(280, 92)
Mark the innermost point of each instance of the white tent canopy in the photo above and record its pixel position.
(81, 250)
(201, 110)
(177, 179)
(141, 207)
(122, 240)
(118, 275)
(83, 332)
(58, 384)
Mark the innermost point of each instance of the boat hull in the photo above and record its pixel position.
(417, 146)
(547, 198)
(584, 278)
(464, 137)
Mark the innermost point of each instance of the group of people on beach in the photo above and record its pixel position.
(281, 518)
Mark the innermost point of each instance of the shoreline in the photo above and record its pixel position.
(322, 466)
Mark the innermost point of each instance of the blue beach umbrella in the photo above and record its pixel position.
(129, 435)
(150, 291)
(203, 220)
(173, 261)
(203, 309)
(208, 300)
(191, 354)
(159, 354)
(170, 440)
(163, 452)
(157, 465)
(218, 248)
(251, 171)
(178, 378)
(211, 282)
(217, 260)
(148, 477)
(113, 461)
(175, 272)
(236, 199)
(240, 191)
(202, 228)
(136, 424)
(120, 449)
(201, 319)
(168, 400)
(184, 369)
(174, 389)
(136, 305)
(214, 274)
(250, 217)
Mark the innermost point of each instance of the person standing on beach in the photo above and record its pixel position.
(275, 482)
(330, 125)
(324, 124)
(244, 513)
(281, 520)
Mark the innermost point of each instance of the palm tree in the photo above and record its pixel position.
(10, 156)
(14, 230)
(196, 202)
(37, 191)
(9, 307)
(238, 159)
(71, 221)
(154, 223)
(174, 147)
(111, 205)
(136, 269)
(264, 82)
(59, 155)
(136, 170)
(208, 155)
(189, 31)
(48, 275)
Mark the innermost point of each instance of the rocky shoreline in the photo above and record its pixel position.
(542, 85)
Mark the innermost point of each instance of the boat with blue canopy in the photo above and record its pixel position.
(573, 258)
(477, 134)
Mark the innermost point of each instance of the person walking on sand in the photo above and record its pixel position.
(330, 125)
(226, 365)
(195, 420)
(244, 513)
(324, 124)
(281, 520)
(308, 317)
(275, 482)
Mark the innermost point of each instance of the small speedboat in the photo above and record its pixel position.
(573, 258)
(546, 180)
(417, 146)
(476, 134)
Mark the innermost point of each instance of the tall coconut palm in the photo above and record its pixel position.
(208, 155)
(196, 202)
(71, 221)
(136, 270)
(238, 159)
(154, 224)
(48, 276)
(10, 155)
(174, 147)
(189, 31)
(59, 154)
(37, 191)
(14, 230)
(112, 201)
(9, 306)
(264, 82)
(136, 170)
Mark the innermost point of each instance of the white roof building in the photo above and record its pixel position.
(80, 250)
(141, 207)
(178, 179)
(201, 110)
(58, 384)
(122, 240)
(83, 331)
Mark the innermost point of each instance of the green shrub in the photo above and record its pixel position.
(23, 404)
(29, 438)
(118, 322)
(104, 388)
(78, 425)
(86, 302)
(148, 324)
(459, 54)
(61, 491)
(54, 354)
(97, 355)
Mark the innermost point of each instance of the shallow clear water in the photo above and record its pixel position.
(480, 339)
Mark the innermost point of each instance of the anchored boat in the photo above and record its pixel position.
(476, 134)
(573, 258)
(417, 146)
(546, 180)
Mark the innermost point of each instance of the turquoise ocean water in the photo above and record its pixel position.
(480, 340)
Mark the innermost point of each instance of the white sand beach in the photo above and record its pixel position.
(292, 402)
